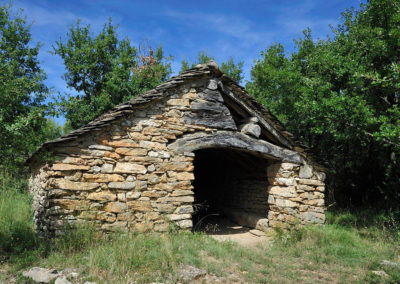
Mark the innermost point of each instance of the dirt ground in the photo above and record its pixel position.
(223, 229)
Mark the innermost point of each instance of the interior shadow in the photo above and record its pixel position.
(228, 183)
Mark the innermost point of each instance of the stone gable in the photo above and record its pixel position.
(158, 159)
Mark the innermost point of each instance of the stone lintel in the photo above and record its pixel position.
(234, 140)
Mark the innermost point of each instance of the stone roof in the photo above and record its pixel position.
(228, 86)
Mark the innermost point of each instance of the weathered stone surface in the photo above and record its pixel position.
(130, 168)
(101, 147)
(132, 195)
(41, 275)
(305, 172)
(181, 192)
(283, 191)
(71, 204)
(311, 182)
(66, 184)
(62, 280)
(185, 224)
(186, 199)
(140, 206)
(234, 140)
(70, 167)
(285, 203)
(132, 151)
(165, 207)
(122, 185)
(106, 168)
(123, 143)
(178, 102)
(152, 145)
(73, 160)
(102, 196)
(138, 136)
(115, 207)
(184, 209)
(103, 177)
(175, 217)
(251, 129)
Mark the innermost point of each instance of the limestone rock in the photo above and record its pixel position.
(140, 206)
(70, 167)
(101, 147)
(103, 177)
(251, 129)
(132, 151)
(191, 273)
(102, 196)
(130, 168)
(283, 191)
(305, 172)
(390, 263)
(62, 280)
(115, 207)
(66, 184)
(122, 185)
(41, 275)
(311, 182)
(380, 273)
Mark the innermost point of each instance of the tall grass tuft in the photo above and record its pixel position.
(16, 228)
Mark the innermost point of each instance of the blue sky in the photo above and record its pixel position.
(223, 28)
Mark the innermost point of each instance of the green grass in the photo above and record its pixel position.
(344, 250)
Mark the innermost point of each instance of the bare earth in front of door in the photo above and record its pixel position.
(223, 229)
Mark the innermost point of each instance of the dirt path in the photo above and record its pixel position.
(222, 229)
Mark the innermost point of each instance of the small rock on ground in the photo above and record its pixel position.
(380, 273)
(41, 275)
(62, 280)
(188, 273)
(389, 263)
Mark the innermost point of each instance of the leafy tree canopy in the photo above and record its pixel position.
(232, 69)
(105, 71)
(22, 91)
(341, 97)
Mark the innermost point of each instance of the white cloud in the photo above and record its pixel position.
(235, 27)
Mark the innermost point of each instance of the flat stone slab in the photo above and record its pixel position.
(41, 275)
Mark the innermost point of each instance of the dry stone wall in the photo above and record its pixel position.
(295, 195)
(124, 176)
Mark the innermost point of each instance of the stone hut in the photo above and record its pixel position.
(197, 139)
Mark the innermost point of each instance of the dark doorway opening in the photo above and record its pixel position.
(229, 184)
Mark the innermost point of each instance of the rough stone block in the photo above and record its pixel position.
(66, 184)
(132, 151)
(122, 185)
(282, 191)
(115, 207)
(102, 196)
(70, 167)
(140, 206)
(130, 168)
(285, 203)
(313, 182)
(103, 177)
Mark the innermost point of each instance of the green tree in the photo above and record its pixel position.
(341, 97)
(22, 91)
(105, 71)
(230, 68)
